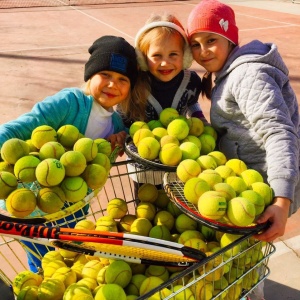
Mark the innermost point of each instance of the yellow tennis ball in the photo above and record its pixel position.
(118, 272)
(102, 160)
(154, 124)
(50, 256)
(88, 147)
(21, 202)
(67, 135)
(85, 224)
(125, 222)
(211, 177)
(51, 150)
(185, 294)
(133, 288)
(74, 162)
(240, 211)
(28, 293)
(213, 269)
(224, 171)
(160, 232)
(50, 199)
(237, 165)
(237, 183)
(91, 269)
(5, 166)
(110, 291)
(196, 243)
(250, 176)
(50, 172)
(52, 266)
(264, 190)
(88, 282)
(188, 169)
(206, 162)
(212, 205)
(141, 226)
(208, 143)
(164, 217)
(145, 210)
(75, 188)
(148, 148)
(141, 134)
(74, 290)
(159, 132)
(43, 134)
(66, 275)
(196, 126)
(51, 289)
(13, 149)
(189, 150)
(24, 279)
(226, 190)
(95, 176)
(184, 222)
(167, 115)
(135, 126)
(178, 128)
(147, 192)
(8, 183)
(173, 209)
(106, 223)
(117, 208)
(162, 199)
(168, 139)
(149, 284)
(211, 131)
(194, 188)
(25, 167)
(204, 290)
(189, 234)
(170, 154)
(158, 271)
(104, 146)
(219, 157)
(256, 199)
(193, 139)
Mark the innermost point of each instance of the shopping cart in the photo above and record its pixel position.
(247, 267)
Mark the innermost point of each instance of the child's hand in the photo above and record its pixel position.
(118, 140)
(277, 215)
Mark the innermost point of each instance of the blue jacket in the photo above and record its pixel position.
(69, 106)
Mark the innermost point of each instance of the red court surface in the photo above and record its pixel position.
(44, 49)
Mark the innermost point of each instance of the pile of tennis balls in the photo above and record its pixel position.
(69, 275)
(173, 138)
(224, 190)
(62, 163)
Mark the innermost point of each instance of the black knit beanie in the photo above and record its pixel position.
(111, 53)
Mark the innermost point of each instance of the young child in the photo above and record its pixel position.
(164, 58)
(110, 75)
(253, 106)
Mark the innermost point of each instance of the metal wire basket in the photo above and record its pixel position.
(120, 184)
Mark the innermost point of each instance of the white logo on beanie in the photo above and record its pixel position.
(224, 24)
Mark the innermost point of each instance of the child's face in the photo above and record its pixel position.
(165, 58)
(210, 50)
(109, 88)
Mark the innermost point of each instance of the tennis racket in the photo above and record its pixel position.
(93, 241)
(174, 189)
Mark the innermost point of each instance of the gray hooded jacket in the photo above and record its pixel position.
(255, 112)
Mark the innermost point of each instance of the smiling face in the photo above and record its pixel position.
(109, 88)
(165, 57)
(210, 50)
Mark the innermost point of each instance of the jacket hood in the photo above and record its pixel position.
(254, 52)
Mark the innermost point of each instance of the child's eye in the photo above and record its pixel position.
(173, 54)
(210, 41)
(195, 45)
(124, 79)
(104, 74)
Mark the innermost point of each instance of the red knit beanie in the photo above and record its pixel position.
(213, 16)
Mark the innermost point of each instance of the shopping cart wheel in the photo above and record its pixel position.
(6, 291)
